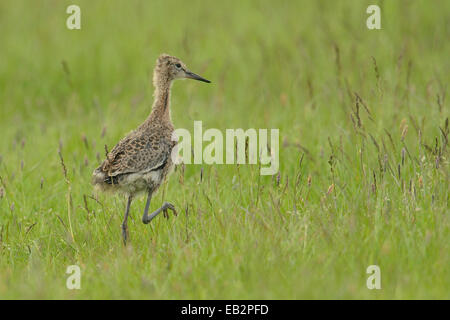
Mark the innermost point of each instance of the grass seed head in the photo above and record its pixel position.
(330, 189)
(404, 132)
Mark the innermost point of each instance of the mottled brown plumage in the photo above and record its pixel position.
(141, 161)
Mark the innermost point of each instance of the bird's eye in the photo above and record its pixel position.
(178, 65)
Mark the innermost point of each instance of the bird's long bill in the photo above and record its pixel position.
(194, 76)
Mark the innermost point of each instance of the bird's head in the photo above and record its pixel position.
(169, 68)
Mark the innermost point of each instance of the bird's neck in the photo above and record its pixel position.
(161, 104)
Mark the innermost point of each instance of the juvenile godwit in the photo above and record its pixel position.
(140, 162)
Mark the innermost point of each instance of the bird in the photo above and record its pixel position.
(140, 162)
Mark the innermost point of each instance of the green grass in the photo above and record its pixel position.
(356, 198)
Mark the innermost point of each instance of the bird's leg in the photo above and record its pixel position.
(125, 221)
(146, 218)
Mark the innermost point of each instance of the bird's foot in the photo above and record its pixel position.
(124, 234)
(168, 206)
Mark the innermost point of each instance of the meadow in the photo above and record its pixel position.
(364, 156)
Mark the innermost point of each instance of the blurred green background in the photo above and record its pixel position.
(363, 175)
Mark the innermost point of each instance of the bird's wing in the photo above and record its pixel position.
(136, 153)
